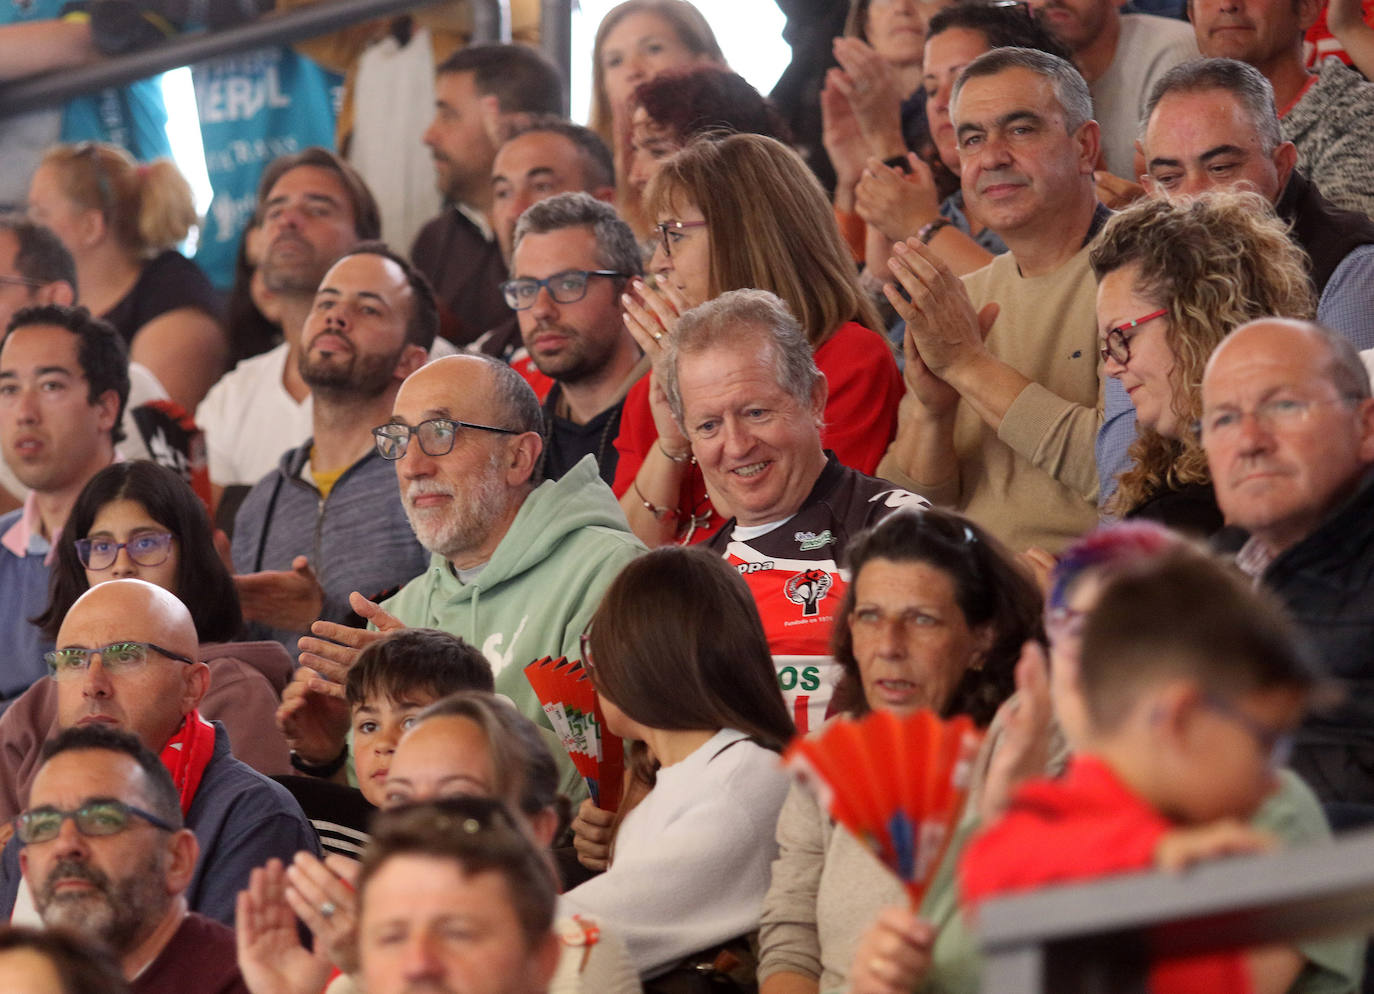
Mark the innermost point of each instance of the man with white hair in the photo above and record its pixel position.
(745, 391)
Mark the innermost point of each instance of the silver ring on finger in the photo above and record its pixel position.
(328, 908)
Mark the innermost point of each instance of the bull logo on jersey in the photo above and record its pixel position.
(808, 589)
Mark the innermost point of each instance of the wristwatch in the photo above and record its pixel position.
(932, 229)
(321, 770)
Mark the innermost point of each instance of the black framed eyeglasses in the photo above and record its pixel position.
(94, 818)
(148, 549)
(115, 658)
(436, 436)
(567, 287)
(1118, 344)
(670, 233)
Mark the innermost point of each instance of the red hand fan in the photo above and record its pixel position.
(898, 784)
(570, 701)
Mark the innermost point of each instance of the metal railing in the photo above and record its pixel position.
(491, 22)
(1097, 938)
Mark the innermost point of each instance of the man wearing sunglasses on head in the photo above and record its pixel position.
(106, 856)
(127, 658)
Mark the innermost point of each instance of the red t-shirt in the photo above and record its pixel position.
(1084, 826)
(1321, 44)
(860, 418)
(525, 366)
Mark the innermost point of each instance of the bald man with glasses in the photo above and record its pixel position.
(127, 658)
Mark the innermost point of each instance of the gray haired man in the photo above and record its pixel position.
(1001, 409)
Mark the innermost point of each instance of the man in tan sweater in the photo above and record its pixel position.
(1002, 369)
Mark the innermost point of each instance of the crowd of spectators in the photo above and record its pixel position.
(1006, 367)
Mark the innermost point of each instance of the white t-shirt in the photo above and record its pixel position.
(249, 420)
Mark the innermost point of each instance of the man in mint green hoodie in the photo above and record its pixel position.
(517, 566)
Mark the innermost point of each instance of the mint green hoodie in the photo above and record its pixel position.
(536, 593)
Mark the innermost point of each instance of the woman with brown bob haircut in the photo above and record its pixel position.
(735, 213)
(679, 659)
(1174, 279)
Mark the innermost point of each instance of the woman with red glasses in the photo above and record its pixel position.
(1174, 279)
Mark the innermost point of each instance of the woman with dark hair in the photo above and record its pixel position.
(935, 618)
(152, 506)
(679, 659)
(673, 108)
(140, 520)
(737, 212)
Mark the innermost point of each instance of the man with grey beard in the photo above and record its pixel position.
(107, 856)
(328, 520)
(517, 566)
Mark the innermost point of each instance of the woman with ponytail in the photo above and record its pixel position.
(122, 221)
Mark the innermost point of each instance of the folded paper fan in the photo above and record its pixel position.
(570, 701)
(898, 784)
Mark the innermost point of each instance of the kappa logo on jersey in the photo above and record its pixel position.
(808, 589)
(746, 568)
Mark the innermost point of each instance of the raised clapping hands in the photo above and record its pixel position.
(844, 142)
(1023, 751)
(894, 954)
(895, 204)
(314, 714)
(270, 954)
(870, 86)
(334, 647)
(651, 314)
(314, 887)
(942, 328)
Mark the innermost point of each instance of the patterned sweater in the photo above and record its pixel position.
(1330, 125)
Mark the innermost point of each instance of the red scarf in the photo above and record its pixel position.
(186, 755)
